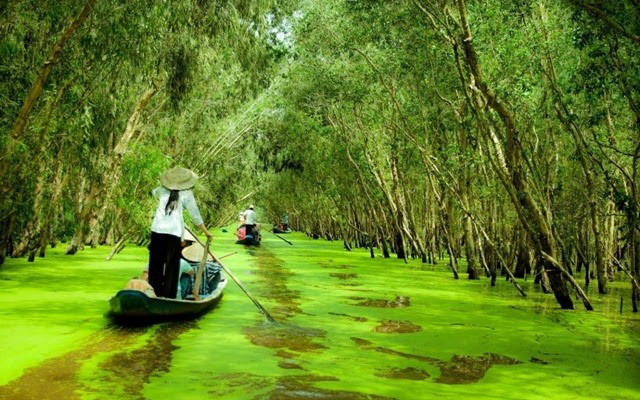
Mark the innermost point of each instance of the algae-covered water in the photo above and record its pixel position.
(351, 327)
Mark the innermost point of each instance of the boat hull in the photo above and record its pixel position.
(248, 242)
(133, 305)
(281, 232)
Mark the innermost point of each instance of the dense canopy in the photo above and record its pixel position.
(498, 137)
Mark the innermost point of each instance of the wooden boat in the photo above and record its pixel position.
(280, 231)
(133, 305)
(248, 241)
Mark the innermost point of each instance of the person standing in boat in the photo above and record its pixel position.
(250, 220)
(285, 222)
(167, 229)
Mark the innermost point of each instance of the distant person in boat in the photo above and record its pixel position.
(249, 220)
(241, 219)
(167, 229)
(285, 222)
(242, 230)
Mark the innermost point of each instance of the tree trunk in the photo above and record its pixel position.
(38, 85)
(508, 164)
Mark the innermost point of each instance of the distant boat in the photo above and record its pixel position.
(134, 306)
(280, 231)
(249, 241)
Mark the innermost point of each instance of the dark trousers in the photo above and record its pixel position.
(248, 229)
(164, 264)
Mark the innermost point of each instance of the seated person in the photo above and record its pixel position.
(242, 233)
(188, 239)
(141, 285)
(256, 232)
(185, 270)
(210, 278)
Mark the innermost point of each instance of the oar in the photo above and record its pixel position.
(237, 281)
(281, 238)
(196, 288)
(227, 255)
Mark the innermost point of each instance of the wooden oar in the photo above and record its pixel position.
(227, 255)
(281, 238)
(237, 281)
(203, 262)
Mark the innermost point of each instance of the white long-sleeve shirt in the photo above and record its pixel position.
(249, 217)
(173, 224)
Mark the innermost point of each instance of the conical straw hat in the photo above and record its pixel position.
(178, 178)
(189, 237)
(194, 253)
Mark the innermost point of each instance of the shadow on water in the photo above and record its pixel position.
(398, 302)
(57, 378)
(389, 326)
(288, 340)
(343, 276)
(292, 387)
(132, 369)
(353, 318)
(273, 279)
(410, 373)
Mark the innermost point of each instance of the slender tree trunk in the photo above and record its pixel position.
(35, 91)
(510, 170)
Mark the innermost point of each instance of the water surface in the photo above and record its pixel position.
(350, 327)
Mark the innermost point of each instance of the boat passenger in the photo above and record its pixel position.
(186, 271)
(241, 232)
(285, 222)
(241, 219)
(210, 278)
(141, 284)
(249, 220)
(167, 229)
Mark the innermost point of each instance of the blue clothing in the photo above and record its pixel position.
(210, 279)
(185, 268)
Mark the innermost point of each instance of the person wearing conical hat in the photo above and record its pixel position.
(167, 229)
(192, 256)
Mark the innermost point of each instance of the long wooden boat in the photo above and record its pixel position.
(133, 305)
(248, 242)
(280, 231)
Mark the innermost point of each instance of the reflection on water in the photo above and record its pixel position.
(357, 319)
(470, 369)
(132, 369)
(128, 365)
(458, 370)
(344, 276)
(273, 278)
(398, 302)
(274, 287)
(388, 326)
(284, 336)
(293, 387)
(57, 378)
(410, 373)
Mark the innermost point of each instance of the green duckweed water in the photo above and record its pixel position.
(350, 327)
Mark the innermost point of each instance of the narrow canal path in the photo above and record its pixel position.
(350, 327)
